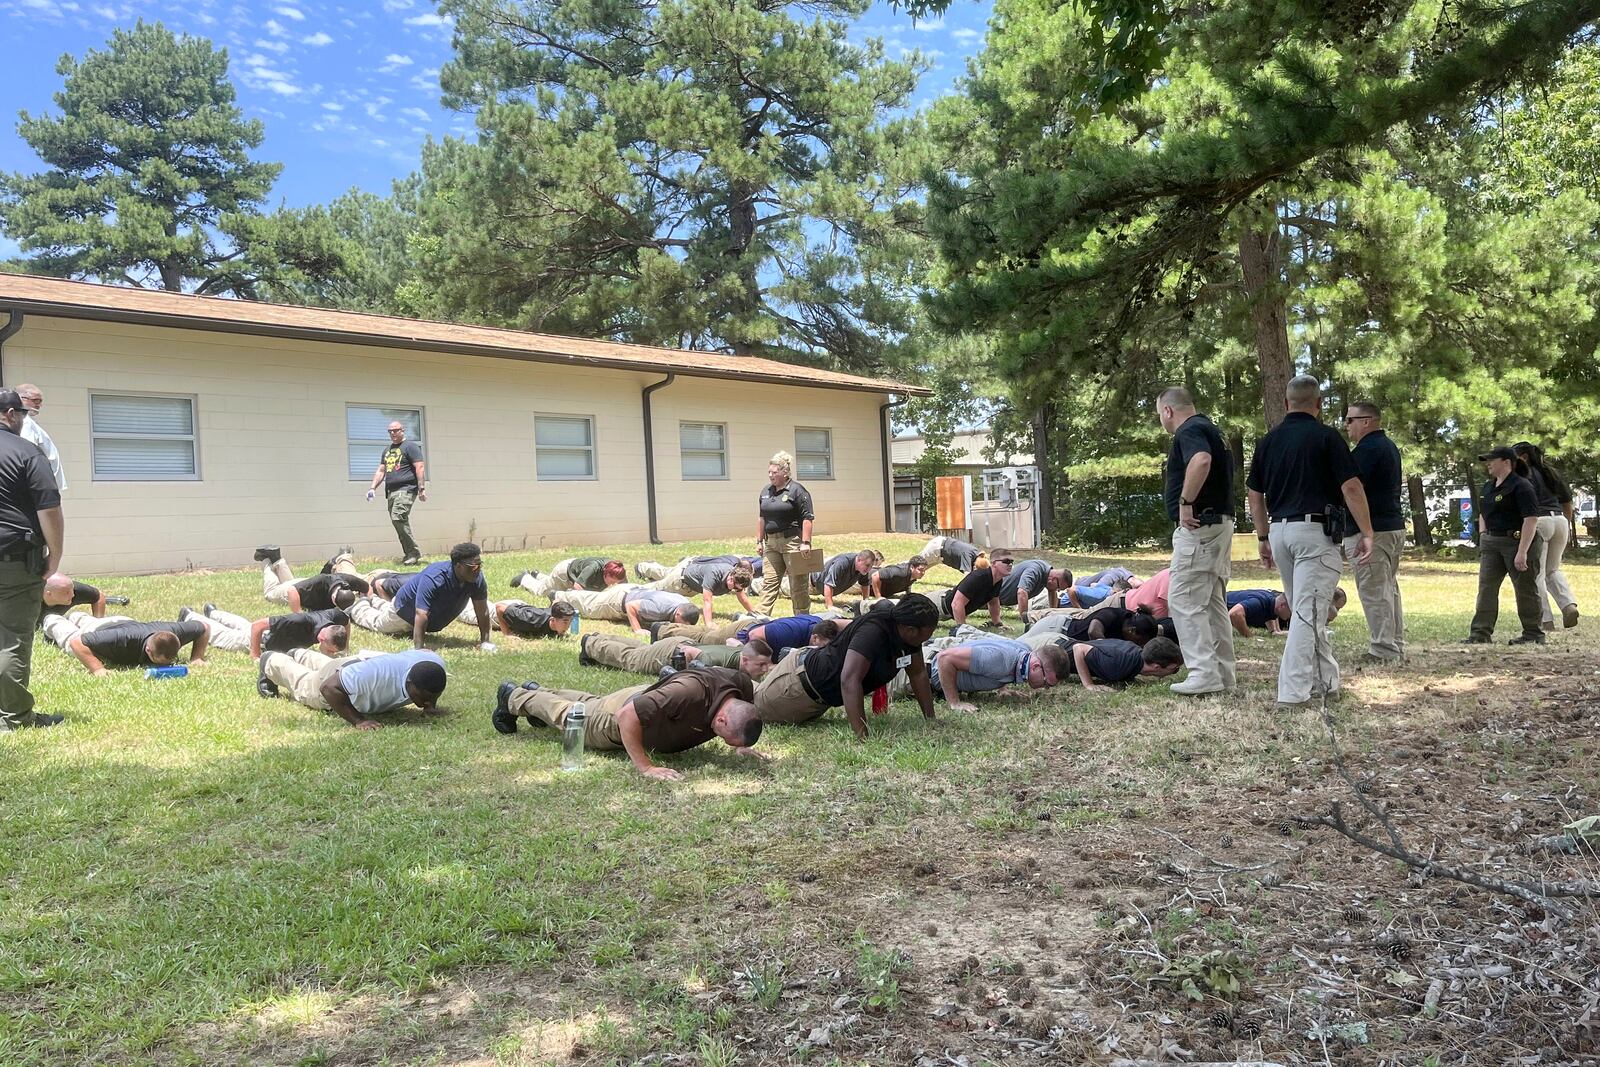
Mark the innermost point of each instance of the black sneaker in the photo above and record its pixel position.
(268, 554)
(120, 601)
(207, 609)
(584, 659)
(1527, 639)
(1569, 616)
(408, 561)
(516, 583)
(42, 719)
(184, 613)
(266, 687)
(504, 721)
(1477, 641)
(655, 630)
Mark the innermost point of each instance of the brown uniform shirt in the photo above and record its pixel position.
(675, 713)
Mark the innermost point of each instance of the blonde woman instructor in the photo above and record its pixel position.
(784, 527)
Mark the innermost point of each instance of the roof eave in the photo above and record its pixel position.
(59, 309)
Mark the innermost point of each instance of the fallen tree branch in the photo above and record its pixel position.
(1540, 892)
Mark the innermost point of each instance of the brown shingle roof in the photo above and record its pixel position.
(115, 303)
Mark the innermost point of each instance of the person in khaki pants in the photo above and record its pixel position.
(1377, 580)
(784, 527)
(1199, 493)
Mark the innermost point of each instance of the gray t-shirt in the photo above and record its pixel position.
(1030, 574)
(655, 605)
(996, 662)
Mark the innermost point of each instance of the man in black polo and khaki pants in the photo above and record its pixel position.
(30, 551)
(1299, 474)
(1199, 493)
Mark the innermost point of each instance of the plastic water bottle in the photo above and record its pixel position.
(572, 738)
(576, 627)
(177, 670)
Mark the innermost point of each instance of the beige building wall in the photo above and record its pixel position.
(270, 417)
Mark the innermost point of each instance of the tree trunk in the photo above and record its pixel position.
(1236, 446)
(172, 275)
(1261, 269)
(741, 238)
(1044, 426)
(1421, 532)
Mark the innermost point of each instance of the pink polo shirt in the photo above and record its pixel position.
(1152, 594)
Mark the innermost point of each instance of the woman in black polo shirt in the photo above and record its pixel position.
(1508, 545)
(784, 526)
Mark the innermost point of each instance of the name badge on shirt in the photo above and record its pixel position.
(902, 663)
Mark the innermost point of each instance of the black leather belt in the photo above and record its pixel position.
(1515, 535)
(16, 553)
(1550, 514)
(1298, 518)
(1215, 520)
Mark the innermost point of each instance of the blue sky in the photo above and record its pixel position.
(347, 92)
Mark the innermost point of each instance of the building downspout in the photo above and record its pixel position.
(888, 462)
(8, 331)
(650, 456)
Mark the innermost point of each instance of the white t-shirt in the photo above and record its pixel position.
(378, 684)
(32, 431)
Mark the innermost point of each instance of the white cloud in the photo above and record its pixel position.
(274, 27)
(105, 11)
(374, 108)
(317, 40)
(272, 46)
(47, 8)
(416, 113)
(929, 27)
(205, 19)
(428, 20)
(291, 13)
(426, 80)
(329, 105)
(965, 35)
(394, 61)
(396, 5)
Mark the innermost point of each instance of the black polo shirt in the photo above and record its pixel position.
(1299, 467)
(1504, 507)
(82, 593)
(1544, 493)
(1199, 434)
(894, 579)
(316, 592)
(783, 510)
(121, 644)
(27, 487)
(978, 587)
(1378, 463)
(299, 629)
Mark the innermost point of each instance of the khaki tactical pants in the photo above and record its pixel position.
(20, 593)
(700, 634)
(303, 673)
(60, 629)
(276, 578)
(1198, 601)
(226, 631)
(378, 615)
(775, 549)
(1554, 532)
(1378, 585)
(401, 501)
(781, 697)
(608, 605)
(627, 654)
(1310, 565)
(550, 706)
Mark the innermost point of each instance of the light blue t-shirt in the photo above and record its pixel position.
(996, 662)
(378, 684)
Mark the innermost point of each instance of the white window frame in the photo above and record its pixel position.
(593, 449)
(193, 438)
(422, 421)
(799, 475)
(722, 452)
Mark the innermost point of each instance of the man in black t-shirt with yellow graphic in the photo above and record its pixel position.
(404, 478)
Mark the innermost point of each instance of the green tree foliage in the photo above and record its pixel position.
(725, 175)
(1277, 197)
(150, 180)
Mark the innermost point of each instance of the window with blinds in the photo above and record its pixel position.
(813, 453)
(564, 447)
(704, 448)
(366, 431)
(143, 438)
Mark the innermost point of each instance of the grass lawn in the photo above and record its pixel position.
(195, 875)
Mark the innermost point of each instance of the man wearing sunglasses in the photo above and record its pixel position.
(403, 476)
(431, 600)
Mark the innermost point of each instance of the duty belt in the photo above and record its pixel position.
(1298, 518)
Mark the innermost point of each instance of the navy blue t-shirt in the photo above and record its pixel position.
(1260, 605)
(436, 591)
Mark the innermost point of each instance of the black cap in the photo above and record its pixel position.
(10, 401)
(1499, 452)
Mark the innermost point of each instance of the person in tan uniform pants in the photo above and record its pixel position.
(784, 526)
